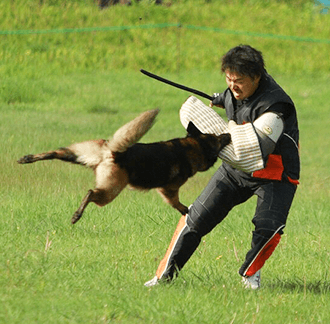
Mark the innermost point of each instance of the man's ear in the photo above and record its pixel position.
(193, 130)
(256, 79)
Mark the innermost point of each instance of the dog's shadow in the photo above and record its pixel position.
(301, 285)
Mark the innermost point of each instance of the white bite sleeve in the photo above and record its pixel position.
(243, 152)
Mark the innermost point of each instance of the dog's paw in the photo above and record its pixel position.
(183, 210)
(26, 159)
(76, 216)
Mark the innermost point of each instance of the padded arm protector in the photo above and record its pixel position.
(243, 152)
(269, 128)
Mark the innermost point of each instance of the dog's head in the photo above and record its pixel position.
(211, 144)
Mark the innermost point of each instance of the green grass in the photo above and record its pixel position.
(53, 92)
(164, 49)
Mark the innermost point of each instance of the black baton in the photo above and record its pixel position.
(177, 85)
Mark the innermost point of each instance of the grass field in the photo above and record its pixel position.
(93, 272)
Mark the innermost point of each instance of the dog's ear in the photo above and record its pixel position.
(193, 130)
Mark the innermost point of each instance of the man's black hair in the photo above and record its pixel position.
(244, 60)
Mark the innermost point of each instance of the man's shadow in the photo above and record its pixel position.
(301, 285)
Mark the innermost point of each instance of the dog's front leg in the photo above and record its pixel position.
(171, 196)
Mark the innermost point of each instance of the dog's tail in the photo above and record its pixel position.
(131, 132)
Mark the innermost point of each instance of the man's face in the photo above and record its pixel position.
(241, 86)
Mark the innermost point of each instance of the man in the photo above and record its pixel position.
(255, 102)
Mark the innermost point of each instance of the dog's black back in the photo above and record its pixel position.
(153, 165)
(158, 164)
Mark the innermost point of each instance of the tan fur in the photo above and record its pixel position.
(88, 152)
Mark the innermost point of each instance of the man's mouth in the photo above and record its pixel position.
(236, 93)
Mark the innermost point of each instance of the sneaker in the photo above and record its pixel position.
(252, 282)
(152, 282)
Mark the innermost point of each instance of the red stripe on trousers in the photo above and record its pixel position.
(163, 264)
(263, 255)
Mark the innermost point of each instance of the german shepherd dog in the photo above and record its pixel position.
(122, 161)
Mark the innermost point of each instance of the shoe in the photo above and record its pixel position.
(152, 282)
(252, 282)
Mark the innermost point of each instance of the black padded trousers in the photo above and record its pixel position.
(224, 191)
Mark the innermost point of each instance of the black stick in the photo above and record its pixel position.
(177, 85)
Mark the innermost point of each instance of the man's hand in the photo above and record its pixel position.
(216, 100)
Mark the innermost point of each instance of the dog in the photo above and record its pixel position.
(121, 161)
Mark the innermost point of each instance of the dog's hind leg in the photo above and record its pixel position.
(77, 215)
(110, 181)
(100, 197)
(88, 153)
(64, 154)
(171, 196)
